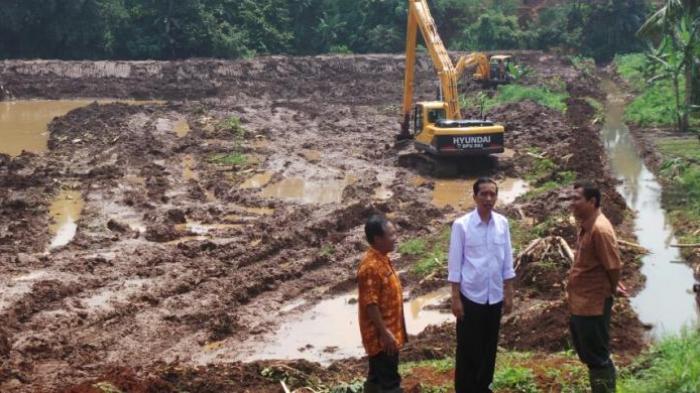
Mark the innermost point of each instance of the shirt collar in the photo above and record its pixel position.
(475, 219)
(378, 255)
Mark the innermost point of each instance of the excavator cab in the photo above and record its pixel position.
(499, 65)
(435, 134)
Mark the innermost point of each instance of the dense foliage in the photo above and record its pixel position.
(168, 29)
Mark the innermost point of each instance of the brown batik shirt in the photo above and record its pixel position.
(379, 284)
(596, 253)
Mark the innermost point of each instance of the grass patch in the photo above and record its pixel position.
(655, 103)
(598, 107)
(327, 250)
(439, 365)
(520, 235)
(544, 176)
(518, 93)
(631, 68)
(519, 379)
(681, 173)
(235, 159)
(427, 259)
(674, 366)
(232, 124)
(654, 106)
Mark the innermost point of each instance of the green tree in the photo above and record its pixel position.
(678, 23)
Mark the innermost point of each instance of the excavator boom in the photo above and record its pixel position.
(419, 17)
(439, 128)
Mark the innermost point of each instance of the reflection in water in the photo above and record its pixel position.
(666, 301)
(330, 329)
(64, 211)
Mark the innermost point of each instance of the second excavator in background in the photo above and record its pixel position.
(489, 70)
(438, 127)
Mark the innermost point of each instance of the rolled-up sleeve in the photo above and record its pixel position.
(508, 271)
(455, 256)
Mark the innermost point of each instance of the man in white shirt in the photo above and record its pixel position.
(480, 269)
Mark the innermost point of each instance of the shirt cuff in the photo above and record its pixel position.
(454, 277)
(509, 275)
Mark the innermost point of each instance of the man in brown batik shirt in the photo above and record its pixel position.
(593, 280)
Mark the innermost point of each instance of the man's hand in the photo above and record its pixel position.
(507, 297)
(621, 290)
(457, 308)
(389, 343)
(507, 304)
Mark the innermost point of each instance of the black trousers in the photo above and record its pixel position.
(591, 337)
(477, 341)
(384, 371)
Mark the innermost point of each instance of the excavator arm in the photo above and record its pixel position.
(419, 18)
(483, 71)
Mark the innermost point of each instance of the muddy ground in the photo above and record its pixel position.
(178, 251)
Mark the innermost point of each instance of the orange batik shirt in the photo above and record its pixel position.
(379, 284)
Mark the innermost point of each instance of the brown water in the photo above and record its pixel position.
(330, 331)
(65, 211)
(666, 301)
(308, 191)
(459, 194)
(23, 124)
(258, 180)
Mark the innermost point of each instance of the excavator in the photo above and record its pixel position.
(489, 71)
(438, 128)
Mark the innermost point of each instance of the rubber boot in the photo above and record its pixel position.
(603, 380)
(371, 387)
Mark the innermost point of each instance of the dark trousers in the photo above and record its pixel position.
(477, 341)
(384, 372)
(591, 337)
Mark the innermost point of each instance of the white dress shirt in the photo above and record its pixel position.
(481, 257)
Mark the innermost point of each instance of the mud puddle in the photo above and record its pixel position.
(65, 211)
(459, 194)
(666, 301)
(305, 191)
(23, 124)
(179, 126)
(330, 331)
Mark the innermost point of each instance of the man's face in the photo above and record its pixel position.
(580, 207)
(486, 197)
(387, 242)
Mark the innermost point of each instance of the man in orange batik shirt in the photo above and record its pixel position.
(380, 303)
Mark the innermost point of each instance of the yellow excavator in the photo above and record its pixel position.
(438, 128)
(490, 70)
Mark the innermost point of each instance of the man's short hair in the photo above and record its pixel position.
(484, 180)
(590, 190)
(375, 226)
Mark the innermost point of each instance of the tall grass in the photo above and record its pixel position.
(654, 104)
(674, 367)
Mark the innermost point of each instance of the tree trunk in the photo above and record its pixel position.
(676, 94)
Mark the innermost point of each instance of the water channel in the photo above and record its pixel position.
(667, 301)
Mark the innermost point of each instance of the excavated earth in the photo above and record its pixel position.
(178, 251)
